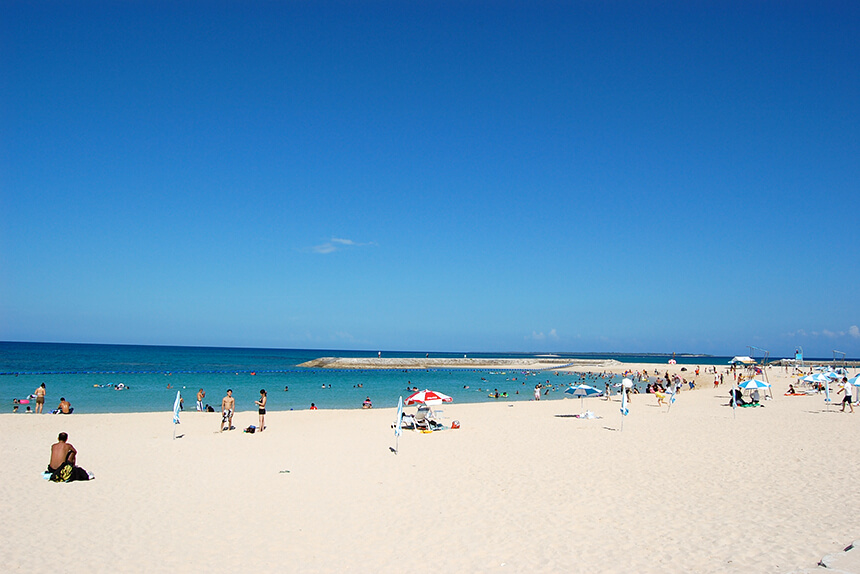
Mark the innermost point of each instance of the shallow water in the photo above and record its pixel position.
(85, 375)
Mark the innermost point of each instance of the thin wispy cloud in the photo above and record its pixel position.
(853, 331)
(535, 336)
(338, 244)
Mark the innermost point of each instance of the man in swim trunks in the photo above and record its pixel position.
(65, 407)
(40, 398)
(227, 405)
(201, 394)
(62, 466)
(846, 388)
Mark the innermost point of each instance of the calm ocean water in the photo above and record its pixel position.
(84, 374)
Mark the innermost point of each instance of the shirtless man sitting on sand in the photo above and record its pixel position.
(65, 407)
(64, 454)
(227, 404)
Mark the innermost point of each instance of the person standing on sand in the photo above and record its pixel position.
(40, 398)
(846, 388)
(261, 409)
(201, 394)
(227, 404)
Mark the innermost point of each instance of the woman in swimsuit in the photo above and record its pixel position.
(262, 409)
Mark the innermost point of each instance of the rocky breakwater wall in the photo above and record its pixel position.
(535, 364)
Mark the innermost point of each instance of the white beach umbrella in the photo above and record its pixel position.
(427, 397)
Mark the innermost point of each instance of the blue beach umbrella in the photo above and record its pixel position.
(819, 379)
(582, 391)
(176, 412)
(855, 381)
(754, 384)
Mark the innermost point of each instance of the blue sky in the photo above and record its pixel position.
(496, 176)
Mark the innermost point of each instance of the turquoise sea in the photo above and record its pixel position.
(85, 374)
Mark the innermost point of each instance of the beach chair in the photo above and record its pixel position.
(422, 418)
(407, 422)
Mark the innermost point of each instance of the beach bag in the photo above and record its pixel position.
(251, 429)
(63, 474)
(455, 425)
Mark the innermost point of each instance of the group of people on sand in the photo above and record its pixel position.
(64, 408)
(228, 405)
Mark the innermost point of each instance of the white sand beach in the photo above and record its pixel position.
(519, 487)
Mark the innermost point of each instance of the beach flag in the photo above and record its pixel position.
(672, 398)
(397, 423)
(176, 412)
(624, 409)
(734, 399)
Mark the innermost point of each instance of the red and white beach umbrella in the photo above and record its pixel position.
(428, 397)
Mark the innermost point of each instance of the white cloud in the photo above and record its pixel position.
(535, 336)
(336, 244)
(324, 248)
(853, 331)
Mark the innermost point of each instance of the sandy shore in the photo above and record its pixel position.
(519, 488)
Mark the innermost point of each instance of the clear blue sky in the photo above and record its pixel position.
(496, 176)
